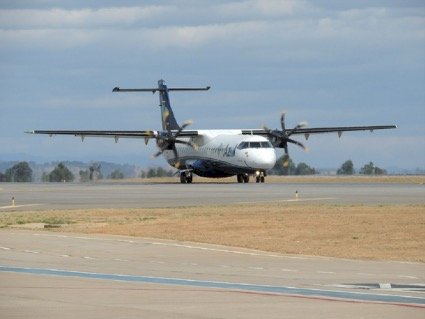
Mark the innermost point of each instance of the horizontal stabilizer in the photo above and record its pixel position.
(153, 90)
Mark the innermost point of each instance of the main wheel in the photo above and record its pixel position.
(183, 178)
(240, 178)
(245, 178)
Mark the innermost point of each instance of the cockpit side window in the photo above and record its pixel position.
(243, 145)
(266, 145)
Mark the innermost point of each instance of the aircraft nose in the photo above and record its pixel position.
(263, 160)
(270, 160)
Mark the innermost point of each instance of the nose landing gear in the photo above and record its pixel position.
(260, 177)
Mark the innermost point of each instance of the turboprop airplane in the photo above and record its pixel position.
(214, 153)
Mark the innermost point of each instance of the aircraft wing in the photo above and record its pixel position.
(318, 130)
(112, 134)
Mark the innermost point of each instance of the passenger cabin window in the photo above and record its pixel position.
(245, 145)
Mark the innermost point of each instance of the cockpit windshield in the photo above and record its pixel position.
(245, 145)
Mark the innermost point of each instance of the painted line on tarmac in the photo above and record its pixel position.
(289, 200)
(344, 296)
(186, 246)
(18, 206)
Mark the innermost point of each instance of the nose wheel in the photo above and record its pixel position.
(260, 177)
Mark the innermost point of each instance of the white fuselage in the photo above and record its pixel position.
(226, 151)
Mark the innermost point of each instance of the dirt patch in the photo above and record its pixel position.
(359, 232)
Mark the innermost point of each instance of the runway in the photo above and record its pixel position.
(49, 275)
(75, 196)
(116, 276)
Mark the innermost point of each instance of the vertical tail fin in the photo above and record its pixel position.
(167, 116)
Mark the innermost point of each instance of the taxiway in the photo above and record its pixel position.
(66, 275)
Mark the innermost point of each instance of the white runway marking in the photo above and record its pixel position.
(31, 251)
(408, 277)
(289, 270)
(18, 206)
(325, 272)
(179, 245)
(289, 200)
(5, 248)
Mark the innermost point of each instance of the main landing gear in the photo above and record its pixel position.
(186, 177)
(243, 178)
(259, 177)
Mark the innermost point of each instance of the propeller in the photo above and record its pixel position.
(281, 138)
(168, 140)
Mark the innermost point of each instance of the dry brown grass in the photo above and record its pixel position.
(360, 232)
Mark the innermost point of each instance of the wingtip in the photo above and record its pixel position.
(116, 89)
(30, 132)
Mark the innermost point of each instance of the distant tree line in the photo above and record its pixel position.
(22, 172)
(347, 168)
(60, 173)
(291, 168)
(157, 172)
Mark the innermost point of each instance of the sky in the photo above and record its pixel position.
(330, 63)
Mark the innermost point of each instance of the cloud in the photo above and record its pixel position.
(57, 18)
(329, 62)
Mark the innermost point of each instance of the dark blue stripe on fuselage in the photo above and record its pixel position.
(206, 167)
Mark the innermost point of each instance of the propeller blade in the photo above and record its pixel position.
(300, 125)
(297, 143)
(185, 124)
(282, 121)
(194, 146)
(176, 155)
(189, 143)
(286, 161)
(157, 154)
